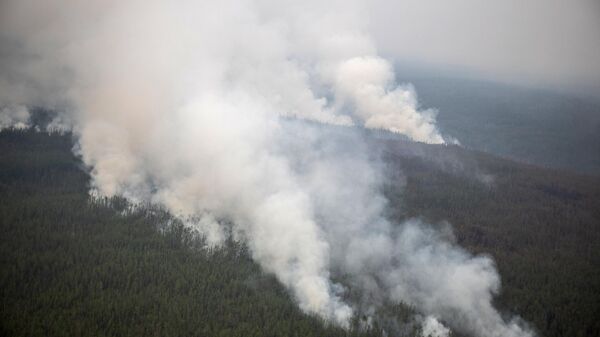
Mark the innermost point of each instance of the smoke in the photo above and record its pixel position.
(368, 84)
(16, 117)
(433, 328)
(197, 106)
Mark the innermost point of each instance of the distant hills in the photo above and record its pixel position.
(534, 126)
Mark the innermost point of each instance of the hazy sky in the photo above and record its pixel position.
(554, 43)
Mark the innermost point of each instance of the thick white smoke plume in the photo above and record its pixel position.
(188, 104)
(433, 328)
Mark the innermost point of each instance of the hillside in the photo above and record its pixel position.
(541, 226)
(534, 126)
(71, 267)
(75, 267)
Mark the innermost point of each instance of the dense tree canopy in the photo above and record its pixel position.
(75, 266)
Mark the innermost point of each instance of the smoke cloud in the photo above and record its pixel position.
(209, 108)
(16, 117)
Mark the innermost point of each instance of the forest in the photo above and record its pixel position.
(72, 265)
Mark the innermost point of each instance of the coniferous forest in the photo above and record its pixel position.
(73, 266)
